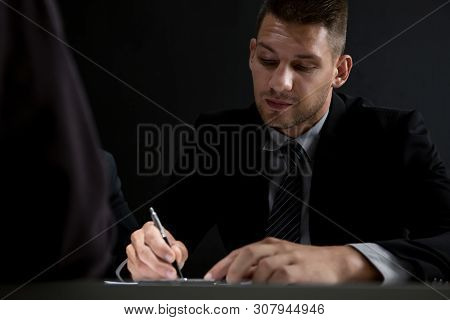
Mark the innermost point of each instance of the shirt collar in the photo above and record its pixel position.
(307, 140)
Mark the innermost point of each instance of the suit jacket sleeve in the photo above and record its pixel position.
(426, 247)
(186, 207)
(124, 221)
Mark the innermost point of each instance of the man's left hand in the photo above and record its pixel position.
(277, 261)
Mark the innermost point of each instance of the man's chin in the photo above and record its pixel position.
(279, 121)
(273, 119)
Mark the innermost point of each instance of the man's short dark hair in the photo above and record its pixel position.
(332, 14)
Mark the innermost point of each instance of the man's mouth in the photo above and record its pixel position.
(278, 105)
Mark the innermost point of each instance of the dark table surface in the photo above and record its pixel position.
(189, 291)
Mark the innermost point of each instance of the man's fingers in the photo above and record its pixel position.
(178, 248)
(248, 257)
(267, 266)
(141, 251)
(153, 268)
(137, 269)
(153, 239)
(131, 263)
(152, 257)
(220, 269)
(180, 252)
(239, 265)
(284, 274)
(145, 261)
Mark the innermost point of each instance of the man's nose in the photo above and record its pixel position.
(282, 79)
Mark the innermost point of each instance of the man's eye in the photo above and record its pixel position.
(268, 62)
(303, 68)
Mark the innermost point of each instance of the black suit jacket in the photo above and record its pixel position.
(377, 178)
(124, 221)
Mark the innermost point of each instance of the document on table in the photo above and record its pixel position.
(178, 282)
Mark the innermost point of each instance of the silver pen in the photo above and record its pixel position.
(159, 226)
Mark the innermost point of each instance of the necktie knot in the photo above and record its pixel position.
(296, 159)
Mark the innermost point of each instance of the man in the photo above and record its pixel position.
(371, 201)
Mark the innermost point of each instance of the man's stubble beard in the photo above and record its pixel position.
(301, 112)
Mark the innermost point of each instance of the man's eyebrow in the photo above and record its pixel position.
(262, 44)
(299, 56)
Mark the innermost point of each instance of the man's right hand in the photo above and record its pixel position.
(150, 258)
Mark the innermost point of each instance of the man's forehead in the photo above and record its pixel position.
(304, 39)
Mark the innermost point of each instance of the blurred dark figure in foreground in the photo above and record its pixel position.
(53, 197)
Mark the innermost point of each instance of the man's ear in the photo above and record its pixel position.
(252, 52)
(343, 67)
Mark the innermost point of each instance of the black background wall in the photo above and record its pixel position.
(192, 57)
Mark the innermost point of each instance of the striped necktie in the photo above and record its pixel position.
(285, 217)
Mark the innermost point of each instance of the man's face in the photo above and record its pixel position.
(292, 68)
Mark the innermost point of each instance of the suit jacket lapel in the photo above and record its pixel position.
(261, 181)
(326, 154)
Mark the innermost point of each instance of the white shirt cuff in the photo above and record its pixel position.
(387, 264)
